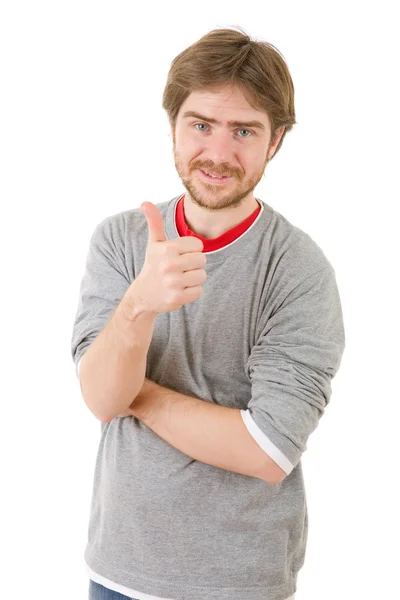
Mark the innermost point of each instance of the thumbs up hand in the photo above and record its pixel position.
(172, 273)
(155, 222)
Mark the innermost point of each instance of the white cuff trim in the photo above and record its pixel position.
(265, 443)
(78, 367)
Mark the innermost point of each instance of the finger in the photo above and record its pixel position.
(155, 222)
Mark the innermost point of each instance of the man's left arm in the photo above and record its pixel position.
(290, 368)
(213, 434)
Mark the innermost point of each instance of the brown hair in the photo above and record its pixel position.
(226, 56)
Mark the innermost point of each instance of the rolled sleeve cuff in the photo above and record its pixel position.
(78, 364)
(265, 443)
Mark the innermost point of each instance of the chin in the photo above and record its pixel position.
(217, 203)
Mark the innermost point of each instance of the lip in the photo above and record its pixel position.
(216, 181)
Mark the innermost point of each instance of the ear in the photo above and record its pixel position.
(274, 143)
(171, 126)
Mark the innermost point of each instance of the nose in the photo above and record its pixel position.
(220, 147)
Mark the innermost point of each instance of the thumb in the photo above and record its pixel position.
(155, 222)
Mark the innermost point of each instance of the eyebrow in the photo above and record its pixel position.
(257, 124)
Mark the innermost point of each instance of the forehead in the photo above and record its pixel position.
(223, 103)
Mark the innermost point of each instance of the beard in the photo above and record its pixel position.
(215, 197)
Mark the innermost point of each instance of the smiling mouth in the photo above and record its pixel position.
(215, 179)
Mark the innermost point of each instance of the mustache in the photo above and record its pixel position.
(221, 171)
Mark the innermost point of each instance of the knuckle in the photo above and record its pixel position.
(162, 267)
(174, 298)
(165, 267)
(199, 244)
(169, 281)
(169, 265)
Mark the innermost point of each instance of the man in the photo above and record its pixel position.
(210, 329)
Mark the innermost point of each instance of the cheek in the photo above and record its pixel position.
(187, 152)
(255, 161)
(189, 140)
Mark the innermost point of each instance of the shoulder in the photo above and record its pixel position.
(295, 253)
(132, 222)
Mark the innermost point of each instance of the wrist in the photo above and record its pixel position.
(133, 307)
(144, 407)
(132, 326)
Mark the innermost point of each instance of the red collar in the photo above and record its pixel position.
(215, 243)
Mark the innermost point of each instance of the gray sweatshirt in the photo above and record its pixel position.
(266, 337)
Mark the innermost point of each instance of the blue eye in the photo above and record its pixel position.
(197, 125)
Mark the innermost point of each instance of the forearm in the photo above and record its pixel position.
(113, 368)
(213, 434)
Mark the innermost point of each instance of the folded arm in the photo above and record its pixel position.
(213, 434)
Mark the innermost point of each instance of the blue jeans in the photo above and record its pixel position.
(99, 592)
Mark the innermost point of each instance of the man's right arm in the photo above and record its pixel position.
(113, 368)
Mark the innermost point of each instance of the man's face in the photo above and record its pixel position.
(205, 141)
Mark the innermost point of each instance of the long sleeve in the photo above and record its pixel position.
(291, 368)
(103, 285)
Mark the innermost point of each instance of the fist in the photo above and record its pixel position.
(173, 273)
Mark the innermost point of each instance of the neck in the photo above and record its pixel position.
(211, 223)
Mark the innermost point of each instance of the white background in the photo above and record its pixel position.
(83, 136)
